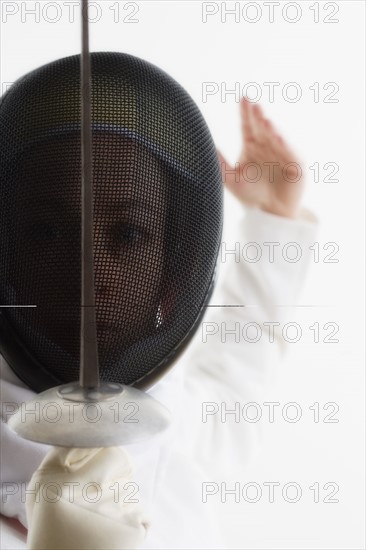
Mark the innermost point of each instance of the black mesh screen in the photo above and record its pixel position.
(157, 219)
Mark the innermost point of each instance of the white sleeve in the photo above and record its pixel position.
(19, 458)
(235, 352)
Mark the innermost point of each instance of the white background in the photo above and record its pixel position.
(173, 36)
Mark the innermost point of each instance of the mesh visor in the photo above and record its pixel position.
(157, 220)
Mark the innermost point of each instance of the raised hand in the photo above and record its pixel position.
(268, 174)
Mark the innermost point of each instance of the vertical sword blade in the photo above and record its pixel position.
(89, 364)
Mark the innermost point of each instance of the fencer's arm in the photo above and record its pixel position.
(19, 458)
(237, 349)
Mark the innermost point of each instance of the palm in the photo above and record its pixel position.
(268, 174)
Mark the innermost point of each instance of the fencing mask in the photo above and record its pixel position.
(157, 220)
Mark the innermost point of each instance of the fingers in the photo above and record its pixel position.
(230, 175)
(261, 127)
(264, 127)
(246, 120)
(254, 125)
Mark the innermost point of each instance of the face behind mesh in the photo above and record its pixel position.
(157, 220)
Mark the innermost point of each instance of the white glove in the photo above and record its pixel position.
(79, 500)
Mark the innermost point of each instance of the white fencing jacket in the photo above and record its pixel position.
(220, 367)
